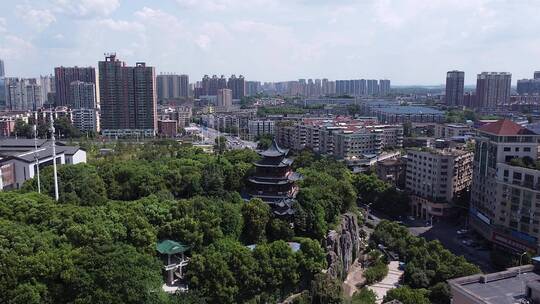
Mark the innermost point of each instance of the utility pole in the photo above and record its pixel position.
(36, 156)
(56, 197)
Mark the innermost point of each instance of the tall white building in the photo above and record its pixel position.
(224, 100)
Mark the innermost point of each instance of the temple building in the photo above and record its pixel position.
(274, 181)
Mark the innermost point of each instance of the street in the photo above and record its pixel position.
(233, 142)
(446, 233)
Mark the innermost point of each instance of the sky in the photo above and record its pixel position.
(411, 42)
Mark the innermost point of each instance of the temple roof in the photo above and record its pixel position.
(171, 247)
(272, 162)
(274, 150)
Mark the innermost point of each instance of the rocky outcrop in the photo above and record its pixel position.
(343, 245)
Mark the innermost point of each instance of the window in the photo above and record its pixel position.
(527, 149)
(506, 173)
(516, 149)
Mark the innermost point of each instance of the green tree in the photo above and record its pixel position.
(326, 290)
(264, 141)
(364, 296)
(256, 214)
(407, 295)
(22, 129)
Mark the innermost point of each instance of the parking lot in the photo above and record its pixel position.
(466, 244)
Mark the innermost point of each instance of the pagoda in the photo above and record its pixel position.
(274, 181)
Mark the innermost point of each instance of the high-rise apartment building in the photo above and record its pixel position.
(48, 88)
(64, 76)
(210, 86)
(372, 87)
(253, 88)
(224, 100)
(83, 95)
(455, 82)
(435, 177)
(384, 87)
(529, 86)
(127, 97)
(492, 89)
(2, 69)
(237, 86)
(172, 86)
(536, 75)
(23, 94)
(505, 193)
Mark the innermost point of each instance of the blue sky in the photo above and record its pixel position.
(407, 41)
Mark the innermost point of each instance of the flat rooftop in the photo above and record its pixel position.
(497, 288)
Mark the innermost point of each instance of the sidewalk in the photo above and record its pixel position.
(389, 282)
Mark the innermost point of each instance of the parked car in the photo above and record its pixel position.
(410, 218)
(462, 231)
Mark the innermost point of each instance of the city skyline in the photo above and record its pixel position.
(410, 42)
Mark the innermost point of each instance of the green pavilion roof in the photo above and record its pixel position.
(171, 247)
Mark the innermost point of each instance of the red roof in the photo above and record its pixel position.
(505, 127)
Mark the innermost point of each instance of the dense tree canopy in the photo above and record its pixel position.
(98, 243)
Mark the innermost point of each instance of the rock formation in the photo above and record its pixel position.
(343, 245)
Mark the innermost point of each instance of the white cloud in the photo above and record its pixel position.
(121, 25)
(3, 25)
(35, 18)
(203, 42)
(85, 8)
(14, 47)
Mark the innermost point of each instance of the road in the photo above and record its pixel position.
(233, 142)
(446, 233)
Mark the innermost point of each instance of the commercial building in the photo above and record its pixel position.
(128, 98)
(455, 82)
(172, 86)
(224, 100)
(452, 130)
(515, 285)
(505, 196)
(435, 177)
(492, 89)
(237, 86)
(64, 76)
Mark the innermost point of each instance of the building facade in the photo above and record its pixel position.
(23, 94)
(172, 86)
(452, 130)
(237, 86)
(128, 98)
(492, 89)
(224, 100)
(64, 76)
(455, 82)
(504, 195)
(435, 177)
(257, 128)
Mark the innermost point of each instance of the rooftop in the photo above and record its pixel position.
(505, 127)
(497, 288)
